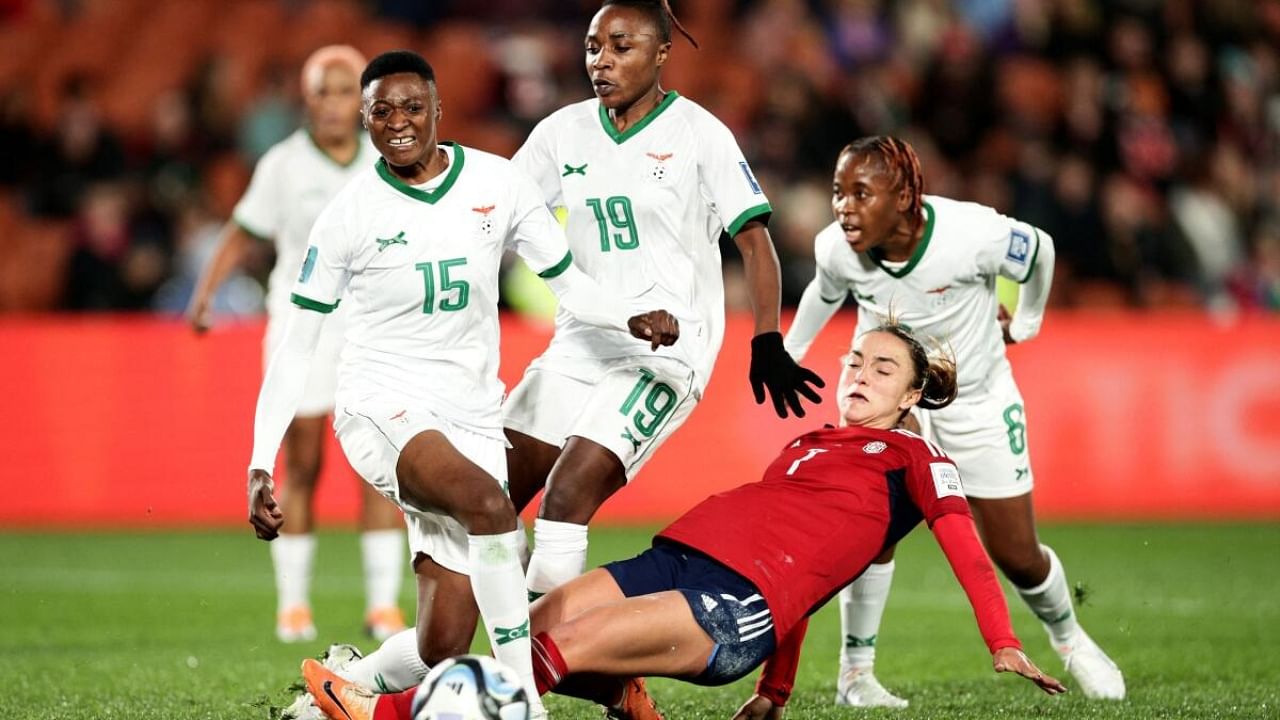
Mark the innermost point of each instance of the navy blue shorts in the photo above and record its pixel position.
(725, 604)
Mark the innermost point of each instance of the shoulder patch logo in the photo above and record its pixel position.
(875, 447)
(1019, 246)
(751, 179)
(571, 170)
(946, 480)
(309, 264)
(384, 243)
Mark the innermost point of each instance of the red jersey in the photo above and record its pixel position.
(826, 507)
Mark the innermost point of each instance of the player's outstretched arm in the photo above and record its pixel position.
(813, 314)
(1014, 660)
(1034, 294)
(233, 245)
(772, 368)
(282, 390)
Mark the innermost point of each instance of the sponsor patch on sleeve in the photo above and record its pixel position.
(308, 265)
(1019, 246)
(751, 179)
(946, 479)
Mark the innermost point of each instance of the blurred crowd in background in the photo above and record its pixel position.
(1143, 134)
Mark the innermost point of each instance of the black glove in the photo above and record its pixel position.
(772, 367)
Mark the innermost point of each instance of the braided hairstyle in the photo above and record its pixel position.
(898, 158)
(934, 377)
(660, 12)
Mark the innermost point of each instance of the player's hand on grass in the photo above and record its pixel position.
(264, 514)
(773, 368)
(1014, 660)
(1005, 318)
(759, 708)
(659, 327)
(198, 315)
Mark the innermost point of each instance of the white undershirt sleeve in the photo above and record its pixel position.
(283, 386)
(1034, 293)
(811, 316)
(586, 300)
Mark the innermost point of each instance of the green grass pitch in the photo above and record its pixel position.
(170, 625)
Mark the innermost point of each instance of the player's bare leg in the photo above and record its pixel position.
(529, 463)
(862, 604)
(585, 475)
(293, 553)
(1008, 531)
(382, 547)
(432, 474)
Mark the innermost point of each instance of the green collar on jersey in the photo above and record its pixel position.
(929, 216)
(455, 169)
(325, 153)
(623, 136)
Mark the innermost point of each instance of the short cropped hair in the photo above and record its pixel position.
(394, 62)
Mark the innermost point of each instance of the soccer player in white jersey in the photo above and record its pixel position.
(649, 180)
(415, 243)
(290, 186)
(934, 262)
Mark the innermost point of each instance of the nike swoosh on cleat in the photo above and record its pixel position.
(328, 690)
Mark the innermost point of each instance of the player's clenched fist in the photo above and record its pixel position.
(264, 513)
(659, 327)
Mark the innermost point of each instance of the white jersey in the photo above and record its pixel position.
(291, 184)
(646, 207)
(946, 290)
(421, 264)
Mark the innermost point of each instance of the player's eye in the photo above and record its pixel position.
(593, 50)
(886, 373)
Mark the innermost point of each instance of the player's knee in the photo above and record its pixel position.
(444, 642)
(303, 474)
(489, 513)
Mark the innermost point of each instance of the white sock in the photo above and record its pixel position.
(498, 583)
(1051, 601)
(861, 607)
(292, 556)
(393, 667)
(522, 543)
(383, 552)
(559, 555)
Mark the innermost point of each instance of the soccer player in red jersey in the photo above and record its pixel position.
(731, 583)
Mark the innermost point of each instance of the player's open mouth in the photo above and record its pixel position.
(603, 87)
(851, 232)
(857, 396)
(400, 141)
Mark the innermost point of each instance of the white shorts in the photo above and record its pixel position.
(985, 433)
(629, 405)
(322, 379)
(372, 435)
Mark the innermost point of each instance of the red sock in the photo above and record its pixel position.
(395, 706)
(548, 664)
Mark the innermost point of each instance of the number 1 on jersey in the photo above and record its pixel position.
(813, 453)
(614, 213)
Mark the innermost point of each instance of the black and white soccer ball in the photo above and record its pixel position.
(470, 687)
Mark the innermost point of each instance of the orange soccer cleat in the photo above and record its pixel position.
(337, 698)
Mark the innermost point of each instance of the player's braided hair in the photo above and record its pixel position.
(660, 12)
(898, 158)
(934, 377)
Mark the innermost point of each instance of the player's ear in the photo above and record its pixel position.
(664, 52)
(910, 399)
(904, 199)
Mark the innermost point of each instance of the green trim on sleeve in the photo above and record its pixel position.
(747, 216)
(832, 301)
(307, 303)
(1035, 254)
(557, 269)
(250, 231)
(455, 169)
(623, 136)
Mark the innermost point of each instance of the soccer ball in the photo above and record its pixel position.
(470, 687)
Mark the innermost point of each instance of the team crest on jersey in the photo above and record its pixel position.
(659, 169)
(875, 447)
(486, 222)
(1019, 246)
